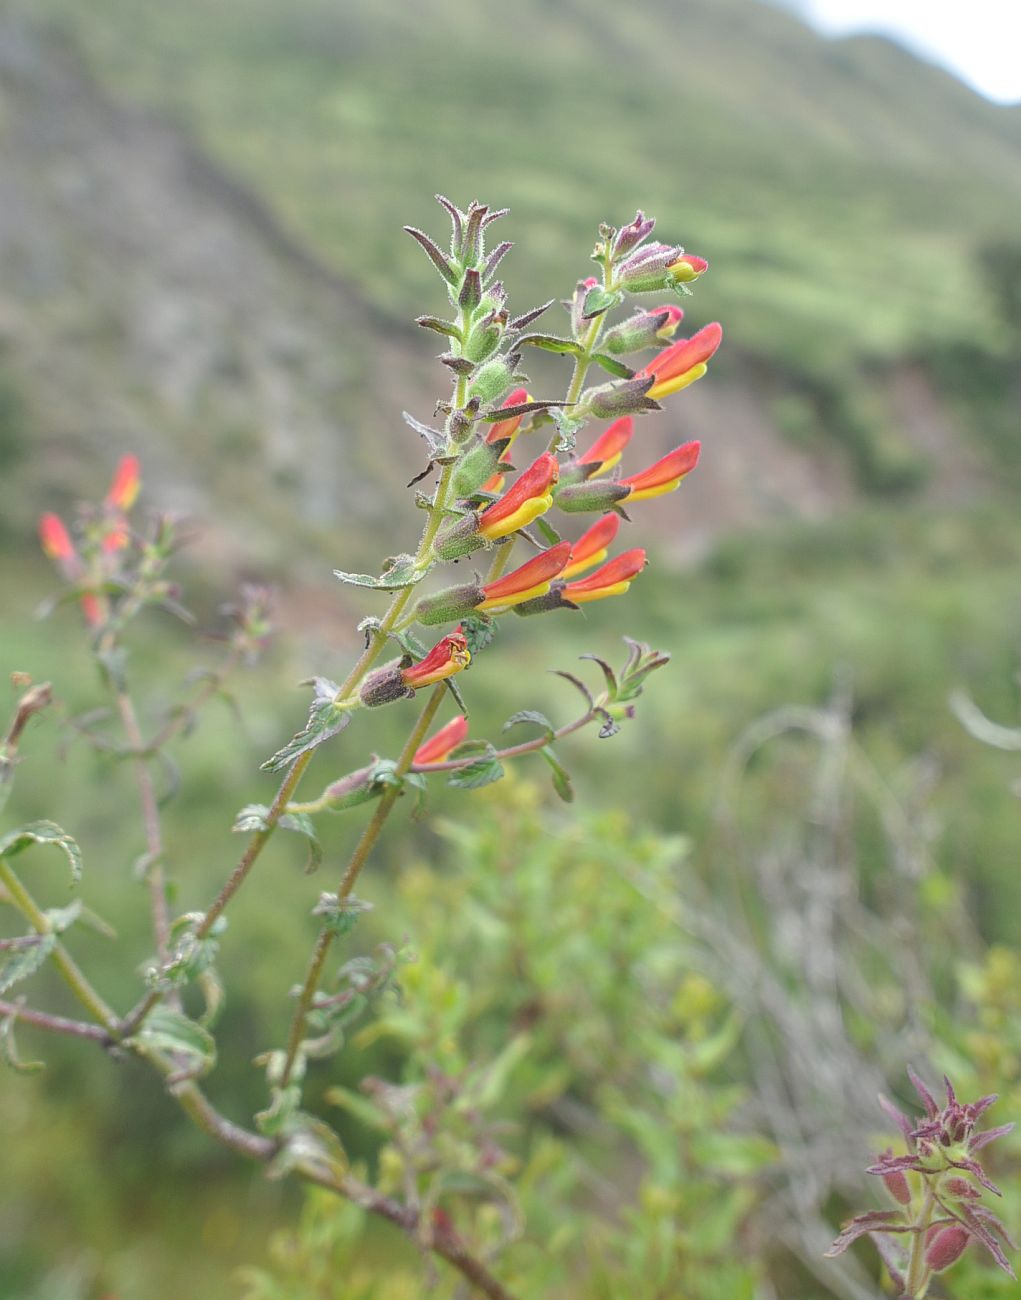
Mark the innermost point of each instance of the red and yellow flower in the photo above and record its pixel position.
(682, 363)
(613, 579)
(608, 448)
(530, 496)
(440, 745)
(448, 656)
(688, 267)
(592, 546)
(664, 476)
(125, 486)
(58, 547)
(508, 429)
(531, 579)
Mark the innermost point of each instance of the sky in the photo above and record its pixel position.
(979, 41)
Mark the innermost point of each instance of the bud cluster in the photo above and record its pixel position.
(938, 1186)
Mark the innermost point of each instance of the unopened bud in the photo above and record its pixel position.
(553, 599)
(946, 1247)
(458, 538)
(623, 397)
(492, 381)
(384, 685)
(599, 494)
(897, 1186)
(629, 237)
(643, 330)
(449, 605)
(477, 465)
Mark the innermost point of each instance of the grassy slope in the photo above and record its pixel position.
(839, 187)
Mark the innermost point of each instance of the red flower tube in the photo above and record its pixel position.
(509, 428)
(665, 475)
(613, 579)
(531, 579)
(683, 362)
(56, 541)
(447, 657)
(528, 497)
(608, 448)
(591, 547)
(438, 747)
(126, 482)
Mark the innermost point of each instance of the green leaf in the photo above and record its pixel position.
(551, 343)
(360, 1107)
(410, 643)
(20, 963)
(275, 1119)
(561, 778)
(167, 1031)
(608, 673)
(325, 720)
(599, 300)
(549, 534)
(340, 915)
(531, 715)
(401, 572)
(616, 368)
(483, 771)
(253, 817)
(62, 918)
(479, 630)
(43, 833)
(9, 1050)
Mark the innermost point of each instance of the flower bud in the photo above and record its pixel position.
(458, 538)
(492, 380)
(477, 464)
(630, 236)
(897, 1186)
(946, 1247)
(449, 605)
(646, 270)
(384, 685)
(583, 498)
(622, 397)
(448, 656)
(646, 329)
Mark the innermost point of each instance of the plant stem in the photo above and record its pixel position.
(72, 976)
(358, 858)
(57, 1024)
(155, 875)
(917, 1281)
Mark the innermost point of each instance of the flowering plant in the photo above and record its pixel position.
(938, 1186)
(481, 504)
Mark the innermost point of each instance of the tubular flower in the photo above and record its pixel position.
(683, 362)
(56, 543)
(447, 657)
(608, 448)
(509, 430)
(57, 546)
(665, 476)
(439, 746)
(591, 547)
(126, 483)
(532, 579)
(613, 579)
(528, 497)
(688, 268)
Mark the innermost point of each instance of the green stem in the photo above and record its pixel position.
(363, 848)
(72, 976)
(917, 1281)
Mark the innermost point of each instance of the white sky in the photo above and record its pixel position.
(979, 40)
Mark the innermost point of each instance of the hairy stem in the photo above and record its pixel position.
(362, 849)
(155, 875)
(56, 1024)
(916, 1283)
(72, 976)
